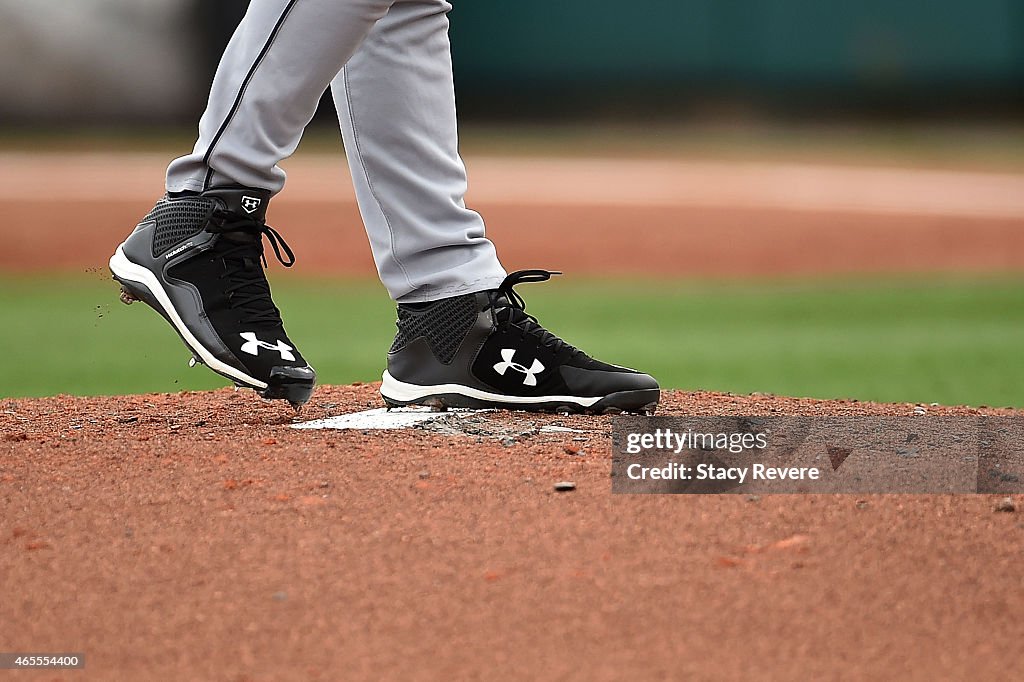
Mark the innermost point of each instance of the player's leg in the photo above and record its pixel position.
(276, 67)
(464, 338)
(196, 257)
(396, 104)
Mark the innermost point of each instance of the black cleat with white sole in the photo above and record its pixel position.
(198, 261)
(483, 350)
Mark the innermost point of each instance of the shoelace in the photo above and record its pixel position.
(249, 290)
(510, 309)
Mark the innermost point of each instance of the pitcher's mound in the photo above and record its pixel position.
(201, 536)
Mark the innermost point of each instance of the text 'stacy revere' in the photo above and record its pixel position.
(914, 454)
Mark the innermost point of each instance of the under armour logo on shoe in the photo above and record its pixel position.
(531, 373)
(250, 204)
(252, 346)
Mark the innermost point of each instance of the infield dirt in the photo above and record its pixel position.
(583, 216)
(198, 536)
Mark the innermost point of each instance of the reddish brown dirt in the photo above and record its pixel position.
(196, 536)
(678, 241)
(587, 216)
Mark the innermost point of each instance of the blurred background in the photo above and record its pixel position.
(103, 61)
(808, 198)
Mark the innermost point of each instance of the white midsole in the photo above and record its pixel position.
(125, 269)
(402, 392)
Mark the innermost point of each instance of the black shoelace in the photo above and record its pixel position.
(244, 261)
(510, 310)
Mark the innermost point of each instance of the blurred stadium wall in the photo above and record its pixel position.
(151, 60)
(95, 61)
(913, 56)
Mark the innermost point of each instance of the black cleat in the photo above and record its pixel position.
(198, 261)
(483, 351)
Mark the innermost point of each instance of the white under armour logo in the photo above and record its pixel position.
(252, 346)
(531, 374)
(250, 204)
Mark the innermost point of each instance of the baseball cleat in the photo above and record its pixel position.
(483, 350)
(198, 261)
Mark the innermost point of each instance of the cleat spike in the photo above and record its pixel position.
(436, 404)
(127, 297)
(192, 362)
(648, 410)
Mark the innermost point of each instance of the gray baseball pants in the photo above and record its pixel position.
(389, 65)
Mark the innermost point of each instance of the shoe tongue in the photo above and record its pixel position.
(503, 309)
(249, 259)
(505, 312)
(248, 203)
(242, 236)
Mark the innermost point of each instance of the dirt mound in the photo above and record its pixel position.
(198, 536)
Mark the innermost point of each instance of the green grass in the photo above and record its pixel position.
(955, 342)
